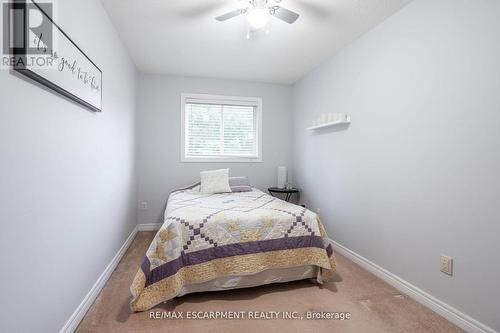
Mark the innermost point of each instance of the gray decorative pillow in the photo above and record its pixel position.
(239, 184)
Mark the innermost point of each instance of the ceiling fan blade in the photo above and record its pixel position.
(229, 15)
(285, 14)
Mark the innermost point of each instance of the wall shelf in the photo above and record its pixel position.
(330, 124)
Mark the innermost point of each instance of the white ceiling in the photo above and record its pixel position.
(181, 37)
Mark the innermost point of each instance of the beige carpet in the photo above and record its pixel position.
(374, 305)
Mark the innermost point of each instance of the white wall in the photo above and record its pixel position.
(417, 173)
(68, 181)
(159, 130)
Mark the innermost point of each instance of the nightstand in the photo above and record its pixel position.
(287, 191)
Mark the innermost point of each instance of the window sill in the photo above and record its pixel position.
(220, 160)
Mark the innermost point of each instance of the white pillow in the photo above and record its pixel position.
(215, 181)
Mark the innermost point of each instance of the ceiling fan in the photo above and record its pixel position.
(259, 13)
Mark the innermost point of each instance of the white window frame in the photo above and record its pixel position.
(220, 99)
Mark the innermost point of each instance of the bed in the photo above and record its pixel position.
(231, 240)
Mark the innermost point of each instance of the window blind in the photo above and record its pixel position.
(220, 130)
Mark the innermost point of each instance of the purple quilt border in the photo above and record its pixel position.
(192, 258)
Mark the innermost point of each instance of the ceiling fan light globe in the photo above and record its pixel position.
(258, 18)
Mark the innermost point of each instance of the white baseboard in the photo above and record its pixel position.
(453, 315)
(89, 299)
(149, 226)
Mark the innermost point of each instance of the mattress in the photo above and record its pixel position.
(230, 240)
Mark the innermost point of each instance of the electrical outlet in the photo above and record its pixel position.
(446, 264)
(143, 205)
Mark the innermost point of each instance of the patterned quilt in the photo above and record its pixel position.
(205, 236)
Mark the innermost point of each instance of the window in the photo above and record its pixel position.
(221, 128)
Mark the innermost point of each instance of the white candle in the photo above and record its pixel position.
(324, 118)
